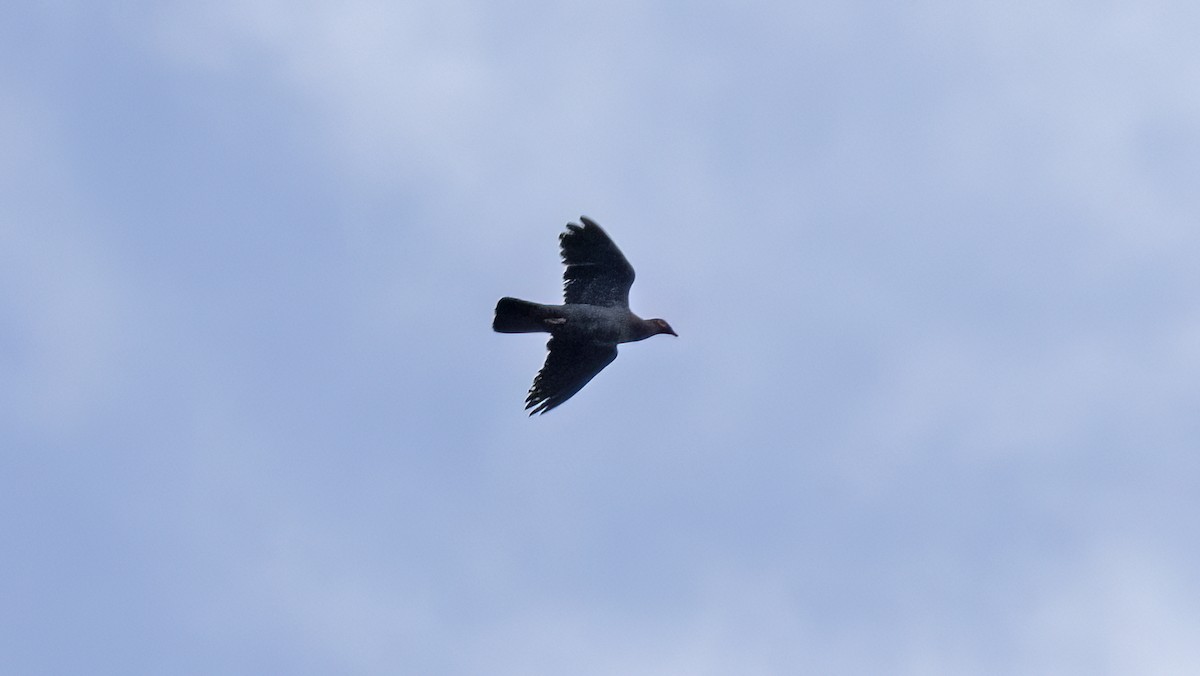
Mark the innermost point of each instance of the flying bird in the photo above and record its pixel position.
(586, 329)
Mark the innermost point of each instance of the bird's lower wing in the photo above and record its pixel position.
(568, 367)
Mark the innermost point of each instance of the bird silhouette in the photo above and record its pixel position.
(586, 329)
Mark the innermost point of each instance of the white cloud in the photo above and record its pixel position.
(1121, 611)
(62, 295)
(396, 91)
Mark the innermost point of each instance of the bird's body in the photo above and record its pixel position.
(577, 321)
(586, 329)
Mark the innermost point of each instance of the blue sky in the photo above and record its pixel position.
(932, 410)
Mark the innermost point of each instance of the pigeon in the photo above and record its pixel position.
(586, 329)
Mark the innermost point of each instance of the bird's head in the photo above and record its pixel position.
(661, 326)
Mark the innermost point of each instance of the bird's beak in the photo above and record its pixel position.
(672, 332)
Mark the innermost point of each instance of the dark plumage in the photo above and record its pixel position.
(586, 329)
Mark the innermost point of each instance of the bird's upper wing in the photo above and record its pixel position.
(597, 272)
(569, 366)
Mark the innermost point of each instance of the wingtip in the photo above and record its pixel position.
(577, 228)
(539, 406)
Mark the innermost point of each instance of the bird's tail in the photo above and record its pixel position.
(520, 316)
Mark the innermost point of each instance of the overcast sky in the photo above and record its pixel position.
(933, 408)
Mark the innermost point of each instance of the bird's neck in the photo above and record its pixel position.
(642, 329)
